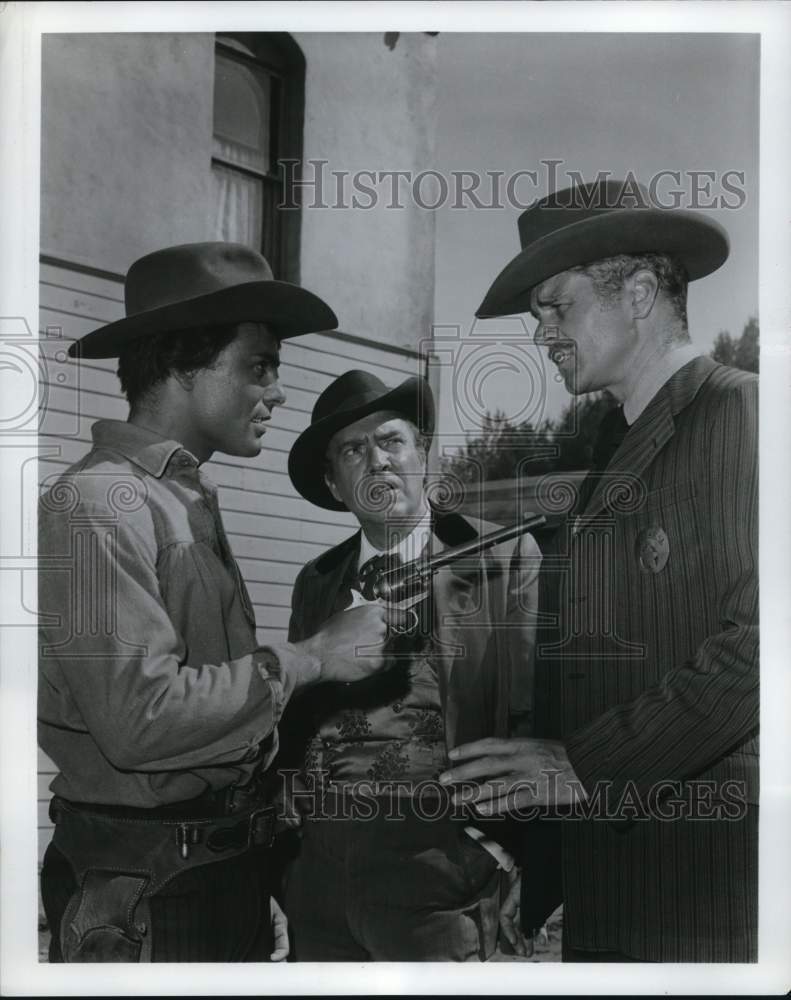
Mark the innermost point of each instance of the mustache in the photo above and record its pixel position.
(375, 493)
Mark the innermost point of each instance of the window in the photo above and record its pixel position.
(259, 84)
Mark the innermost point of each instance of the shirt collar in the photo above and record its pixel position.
(143, 447)
(653, 378)
(409, 548)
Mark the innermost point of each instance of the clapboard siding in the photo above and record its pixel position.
(79, 443)
(278, 440)
(252, 496)
(61, 453)
(73, 280)
(101, 404)
(98, 377)
(272, 531)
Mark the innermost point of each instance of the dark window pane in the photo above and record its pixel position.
(242, 101)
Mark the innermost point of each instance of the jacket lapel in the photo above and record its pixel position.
(329, 573)
(655, 426)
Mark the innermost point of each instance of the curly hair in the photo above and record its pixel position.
(146, 362)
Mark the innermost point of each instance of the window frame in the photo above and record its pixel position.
(277, 54)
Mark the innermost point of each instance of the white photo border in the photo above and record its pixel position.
(21, 974)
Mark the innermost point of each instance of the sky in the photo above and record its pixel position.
(619, 103)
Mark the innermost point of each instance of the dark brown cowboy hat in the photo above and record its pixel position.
(350, 397)
(592, 221)
(205, 284)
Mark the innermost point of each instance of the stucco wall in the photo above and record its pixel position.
(126, 147)
(368, 107)
(126, 144)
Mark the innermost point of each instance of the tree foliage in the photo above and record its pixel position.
(504, 450)
(741, 352)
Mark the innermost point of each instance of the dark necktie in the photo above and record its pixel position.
(612, 431)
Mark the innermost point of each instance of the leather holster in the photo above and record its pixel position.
(119, 862)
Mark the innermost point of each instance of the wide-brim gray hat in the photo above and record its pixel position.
(352, 396)
(205, 284)
(583, 224)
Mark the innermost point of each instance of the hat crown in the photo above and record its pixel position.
(348, 392)
(177, 274)
(589, 222)
(352, 396)
(575, 204)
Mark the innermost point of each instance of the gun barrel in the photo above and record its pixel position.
(410, 580)
(483, 542)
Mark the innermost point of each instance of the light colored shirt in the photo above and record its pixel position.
(408, 549)
(152, 688)
(652, 379)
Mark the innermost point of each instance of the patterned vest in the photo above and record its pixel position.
(387, 728)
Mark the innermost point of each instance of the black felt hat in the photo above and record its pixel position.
(350, 397)
(205, 284)
(583, 224)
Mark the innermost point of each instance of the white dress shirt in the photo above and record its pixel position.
(409, 548)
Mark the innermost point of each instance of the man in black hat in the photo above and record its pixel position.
(156, 702)
(385, 869)
(647, 664)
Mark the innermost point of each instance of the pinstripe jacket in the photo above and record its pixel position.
(647, 668)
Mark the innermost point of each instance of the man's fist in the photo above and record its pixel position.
(350, 646)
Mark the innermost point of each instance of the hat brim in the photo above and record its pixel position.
(701, 244)
(306, 461)
(290, 311)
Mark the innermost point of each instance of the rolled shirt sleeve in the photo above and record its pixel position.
(285, 667)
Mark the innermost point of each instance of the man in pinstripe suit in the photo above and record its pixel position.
(647, 673)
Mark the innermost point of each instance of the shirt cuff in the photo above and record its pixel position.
(287, 667)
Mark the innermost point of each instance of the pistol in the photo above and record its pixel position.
(405, 586)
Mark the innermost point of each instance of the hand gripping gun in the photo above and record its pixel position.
(405, 586)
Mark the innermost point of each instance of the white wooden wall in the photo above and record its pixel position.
(272, 530)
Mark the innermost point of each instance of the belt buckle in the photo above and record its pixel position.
(262, 827)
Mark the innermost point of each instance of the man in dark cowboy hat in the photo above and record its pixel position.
(156, 702)
(647, 667)
(385, 872)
